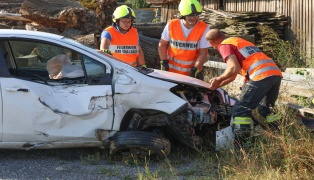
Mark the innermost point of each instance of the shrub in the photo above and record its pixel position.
(284, 53)
(138, 3)
(89, 4)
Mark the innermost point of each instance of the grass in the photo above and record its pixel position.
(288, 154)
(285, 54)
(91, 159)
(110, 172)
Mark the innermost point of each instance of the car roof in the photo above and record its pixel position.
(25, 33)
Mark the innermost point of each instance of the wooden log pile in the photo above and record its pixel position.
(11, 6)
(244, 23)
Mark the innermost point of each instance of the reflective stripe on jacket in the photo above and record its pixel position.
(124, 46)
(256, 64)
(183, 51)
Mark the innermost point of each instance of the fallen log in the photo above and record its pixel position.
(13, 17)
(57, 13)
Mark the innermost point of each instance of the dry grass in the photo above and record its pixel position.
(288, 154)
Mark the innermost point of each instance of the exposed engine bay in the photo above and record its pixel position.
(207, 111)
(194, 124)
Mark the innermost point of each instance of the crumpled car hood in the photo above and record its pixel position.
(178, 78)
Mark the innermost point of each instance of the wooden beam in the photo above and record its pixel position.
(14, 17)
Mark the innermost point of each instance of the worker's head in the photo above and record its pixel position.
(215, 37)
(189, 10)
(124, 17)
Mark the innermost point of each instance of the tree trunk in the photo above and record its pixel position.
(104, 13)
(55, 13)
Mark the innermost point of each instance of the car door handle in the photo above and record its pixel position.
(17, 89)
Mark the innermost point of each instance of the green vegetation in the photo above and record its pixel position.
(92, 159)
(285, 54)
(110, 171)
(89, 4)
(287, 154)
(138, 3)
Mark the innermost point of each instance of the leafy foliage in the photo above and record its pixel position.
(138, 3)
(284, 53)
(89, 4)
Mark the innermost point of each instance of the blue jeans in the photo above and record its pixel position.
(262, 94)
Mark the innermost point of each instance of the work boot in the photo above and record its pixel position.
(242, 136)
(273, 122)
(241, 127)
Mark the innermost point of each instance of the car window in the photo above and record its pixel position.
(96, 72)
(52, 63)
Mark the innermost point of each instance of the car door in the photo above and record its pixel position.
(54, 94)
(3, 73)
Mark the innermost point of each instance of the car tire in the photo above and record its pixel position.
(140, 143)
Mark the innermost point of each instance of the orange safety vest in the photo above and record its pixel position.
(256, 64)
(124, 46)
(183, 51)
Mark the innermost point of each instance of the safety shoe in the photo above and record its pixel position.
(274, 126)
(273, 121)
(242, 136)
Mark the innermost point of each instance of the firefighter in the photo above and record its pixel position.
(183, 47)
(262, 81)
(121, 39)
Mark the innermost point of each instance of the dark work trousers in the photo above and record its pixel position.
(262, 94)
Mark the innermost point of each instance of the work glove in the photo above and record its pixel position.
(143, 69)
(194, 71)
(142, 66)
(164, 65)
(106, 51)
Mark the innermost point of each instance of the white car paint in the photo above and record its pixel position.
(37, 115)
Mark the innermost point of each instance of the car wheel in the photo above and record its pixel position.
(140, 143)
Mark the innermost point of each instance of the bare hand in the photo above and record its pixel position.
(214, 83)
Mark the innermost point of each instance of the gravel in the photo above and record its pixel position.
(59, 164)
(84, 164)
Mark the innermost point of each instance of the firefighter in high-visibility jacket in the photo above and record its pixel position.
(262, 81)
(121, 39)
(183, 48)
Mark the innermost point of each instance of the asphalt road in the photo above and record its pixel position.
(62, 164)
(94, 163)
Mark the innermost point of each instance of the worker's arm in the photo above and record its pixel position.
(104, 44)
(201, 59)
(162, 49)
(230, 73)
(140, 59)
(227, 81)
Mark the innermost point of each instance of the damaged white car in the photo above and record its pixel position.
(57, 93)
